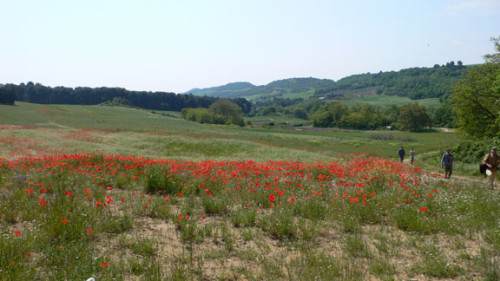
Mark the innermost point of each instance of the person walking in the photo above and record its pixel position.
(412, 156)
(402, 154)
(447, 163)
(492, 160)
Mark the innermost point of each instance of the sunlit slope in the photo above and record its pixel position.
(130, 131)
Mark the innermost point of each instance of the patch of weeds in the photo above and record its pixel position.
(313, 265)
(381, 267)
(490, 265)
(244, 217)
(14, 265)
(247, 234)
(214, 206)
(159, 209)
(356, 246)
(410, 219)
(118, 224)
(382, 243)
(309, 229)
(351, 225)
(136, 266)
(184, 268)
(161, 179)
(249, 255)
(227, 237)
(189, 205)
(311, 209)
(245, 271)
(189, 230)
(280, 224)
(272, 269)
(207, 230)
(215, 254)
(143, 247)
(434, 264)
(493, 237)
(153, 270)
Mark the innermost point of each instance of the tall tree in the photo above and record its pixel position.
(7, 94)
(476, 98)
(232, 112)
(413, 117)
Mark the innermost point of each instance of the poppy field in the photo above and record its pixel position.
(73, 215)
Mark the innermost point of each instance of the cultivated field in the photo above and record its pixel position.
(125, 194)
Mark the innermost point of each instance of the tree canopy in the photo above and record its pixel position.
(476, 98)
(413, 117)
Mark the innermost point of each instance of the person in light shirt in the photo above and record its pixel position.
(492, 160)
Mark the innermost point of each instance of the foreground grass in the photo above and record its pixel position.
(197, 202)
(72, 217)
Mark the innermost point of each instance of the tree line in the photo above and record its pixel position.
(38, 93)
(414, 83)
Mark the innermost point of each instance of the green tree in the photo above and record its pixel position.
(476, 98)
(231, 112)
(300, 113)
(330, 115)
(7, 95)
(413, 117)
(443, 116)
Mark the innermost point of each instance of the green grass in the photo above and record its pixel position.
(159, 224)
(127, 131)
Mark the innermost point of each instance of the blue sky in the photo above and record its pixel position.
(175, 46)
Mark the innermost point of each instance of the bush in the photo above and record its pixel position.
(473, 151)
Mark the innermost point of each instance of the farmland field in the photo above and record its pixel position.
(126, 194)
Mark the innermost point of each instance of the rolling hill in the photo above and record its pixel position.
(414, 83)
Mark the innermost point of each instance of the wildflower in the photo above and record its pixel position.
(271, 198)
(42, 201)
(423, 209)
(104, 264)
(17, 233)
(64, 220)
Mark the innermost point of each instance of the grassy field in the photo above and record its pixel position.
(126, 194)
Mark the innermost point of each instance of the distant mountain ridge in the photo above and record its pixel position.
(245, 89)
(414, 83)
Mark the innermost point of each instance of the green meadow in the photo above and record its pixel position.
(135, 131)
(118, 193)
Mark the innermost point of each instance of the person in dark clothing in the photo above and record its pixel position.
(402, 154)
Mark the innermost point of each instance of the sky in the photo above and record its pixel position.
(178, 45)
